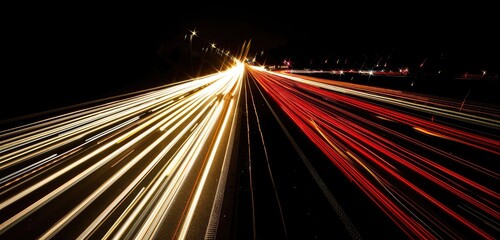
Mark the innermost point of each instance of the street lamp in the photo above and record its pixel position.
(193, 33)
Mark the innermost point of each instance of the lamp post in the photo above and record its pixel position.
(193, 33)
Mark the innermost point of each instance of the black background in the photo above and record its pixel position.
(59, 54)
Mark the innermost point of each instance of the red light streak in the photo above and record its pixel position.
(384, 168)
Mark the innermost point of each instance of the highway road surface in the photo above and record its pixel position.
(247, 153)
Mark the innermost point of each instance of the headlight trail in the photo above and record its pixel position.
(154, 163)
(124, 168)
(475, 114)
(389, 147)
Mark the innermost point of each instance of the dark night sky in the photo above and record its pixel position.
(78, 52)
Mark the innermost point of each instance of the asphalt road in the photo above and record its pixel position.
(144, 166)
(252, 154)
(288, 187)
